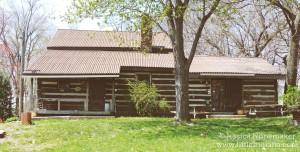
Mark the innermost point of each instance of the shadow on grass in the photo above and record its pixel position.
(208, 128)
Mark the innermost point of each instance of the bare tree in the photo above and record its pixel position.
(26, 35)
(255, 31)
(291, 12)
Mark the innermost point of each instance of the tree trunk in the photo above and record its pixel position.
(181, 74)
(21, 96)
(17, 105)
(182, 94)
(21, 83)
(292, 61)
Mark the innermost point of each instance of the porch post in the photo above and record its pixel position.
(35, 95)
(31, 99)
(86, 103)
(242, 94)
(113, 106)
(276, 91)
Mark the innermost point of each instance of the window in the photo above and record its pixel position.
(144, 77)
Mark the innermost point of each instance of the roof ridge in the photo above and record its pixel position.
(103, 31)
(235, 57)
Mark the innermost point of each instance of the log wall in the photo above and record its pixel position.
(72, 94)
(259, 92)
(261, 96)
(62, 94)
(199, 91)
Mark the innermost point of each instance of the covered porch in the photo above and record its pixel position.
(72, 96)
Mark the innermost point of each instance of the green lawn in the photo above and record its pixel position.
(151, 134)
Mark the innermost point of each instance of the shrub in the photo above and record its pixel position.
(146, 98)
(292, 97)
(6, 109)
(11, 119)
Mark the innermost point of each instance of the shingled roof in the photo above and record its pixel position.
(97, 62)
(104, 39)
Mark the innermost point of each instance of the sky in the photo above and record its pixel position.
(58, 8)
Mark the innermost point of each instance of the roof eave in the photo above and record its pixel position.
(70, 75)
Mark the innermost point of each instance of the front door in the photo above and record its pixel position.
(96, 95)
(217, 87)
(226, 95)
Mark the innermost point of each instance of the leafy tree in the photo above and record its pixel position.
(6, 109)
(146, 98)
(169, 16)
(292, 97)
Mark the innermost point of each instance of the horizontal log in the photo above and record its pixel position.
(262, 86)
(122, 101)
(167, 95)
(48, 82)
(78, 83)
(201, 95)
(173, 85)
(199, 92)
(197, 105)
(248, 93)
(165, 79)
(167, 90)
(192, 89)
(64, 99)
(199, 85)
(163, 82)
(65, 94)
(47, 86)
(199, 100)
(259, 90)
(165, 87)
(258, 80)
(260, 106)
(160, 74)
(117, 94)
(262, 96)
(260, 102)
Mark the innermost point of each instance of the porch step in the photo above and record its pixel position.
(226, 116)
(71, 117)
(223, 113)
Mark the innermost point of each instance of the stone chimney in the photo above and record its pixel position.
(146, 34)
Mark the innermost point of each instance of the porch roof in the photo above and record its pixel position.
(87, 63)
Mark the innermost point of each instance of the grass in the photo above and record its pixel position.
(151, 134)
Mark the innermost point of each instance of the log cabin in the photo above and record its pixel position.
(87, 72)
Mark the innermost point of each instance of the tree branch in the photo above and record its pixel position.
(199, 31)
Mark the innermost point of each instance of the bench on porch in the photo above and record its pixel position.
(71, 100)
(265, 110)
(195, 112)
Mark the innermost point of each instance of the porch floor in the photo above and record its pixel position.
(234, 116)
(73, 112)
(70, 117)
